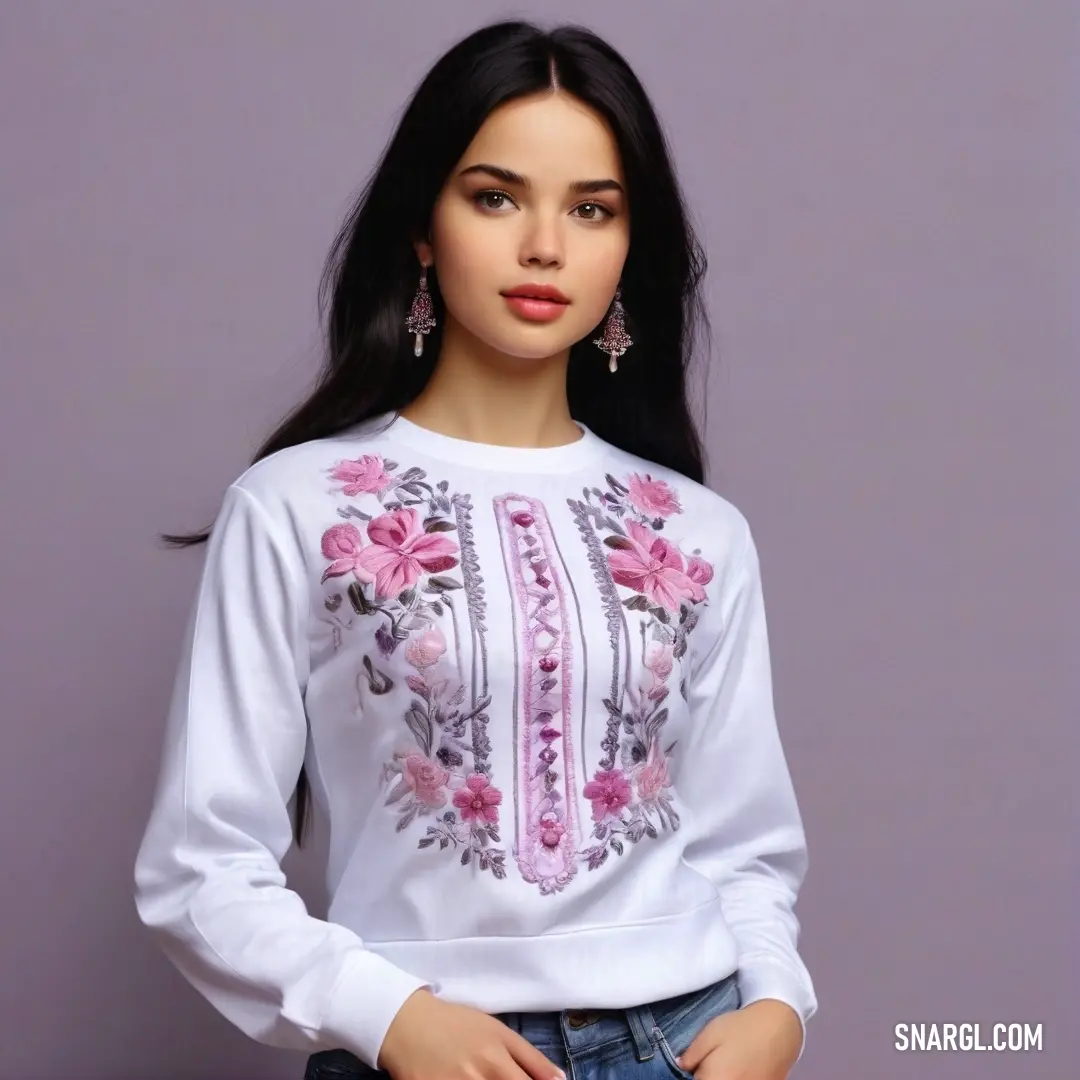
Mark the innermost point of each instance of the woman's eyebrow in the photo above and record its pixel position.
(508, 176)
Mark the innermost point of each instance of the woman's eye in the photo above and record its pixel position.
(603, 211)
(482, 195)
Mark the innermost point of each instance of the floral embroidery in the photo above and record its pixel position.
(652, 777)
(546, 835)
(478, 800)
(411, 566)
(400, 551)
(342, 544)
(652, 498)
(426, 650)
(632, 799)
(609, 792)
(399, 575)
(365, 474)
(653, 567)
(426, 780)
(659, 659)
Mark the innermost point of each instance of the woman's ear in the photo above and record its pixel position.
(424, 252)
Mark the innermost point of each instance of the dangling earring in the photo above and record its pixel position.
(421, 318)
(615, 340)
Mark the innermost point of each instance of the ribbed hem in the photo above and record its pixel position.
(367, 997)
(603, 967)
(761, 978)
(490, 457)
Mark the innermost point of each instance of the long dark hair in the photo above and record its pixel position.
(372, 271)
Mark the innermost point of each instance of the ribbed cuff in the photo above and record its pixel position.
(366, 998)
(768, 978)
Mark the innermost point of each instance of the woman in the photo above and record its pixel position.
(475, 599)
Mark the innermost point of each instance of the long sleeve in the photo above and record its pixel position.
(208, 880)
(750, 840)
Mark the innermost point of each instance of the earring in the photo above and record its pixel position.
(421, 318)
(614, 340)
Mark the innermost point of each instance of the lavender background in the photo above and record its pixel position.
(888, 193)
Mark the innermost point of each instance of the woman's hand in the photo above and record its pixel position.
(431, 1039)
(760, 1041)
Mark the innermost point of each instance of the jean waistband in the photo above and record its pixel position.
(579, 1029)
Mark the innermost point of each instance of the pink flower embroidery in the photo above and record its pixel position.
(652, 777)
(659, 659)
(343, 544)
(609, 793)
(551, 830)
(700, 573)
(478, 800)
(653, 498)
(426, 780)
(362, 476)
(425, 650)
(401, 551)
(652, 566)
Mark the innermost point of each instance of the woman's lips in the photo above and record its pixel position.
(535, 310)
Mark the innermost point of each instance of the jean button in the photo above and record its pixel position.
(576, 1019)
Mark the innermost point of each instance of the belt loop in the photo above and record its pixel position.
(640, 1019)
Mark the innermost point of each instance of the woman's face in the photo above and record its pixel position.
(491, 233)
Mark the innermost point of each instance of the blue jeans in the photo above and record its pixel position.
(640, 1043)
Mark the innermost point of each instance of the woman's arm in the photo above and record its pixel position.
(750, 838)
(208, 879)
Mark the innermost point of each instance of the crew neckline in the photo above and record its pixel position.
(493, 457)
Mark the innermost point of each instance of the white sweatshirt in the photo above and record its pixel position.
(532, 691)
